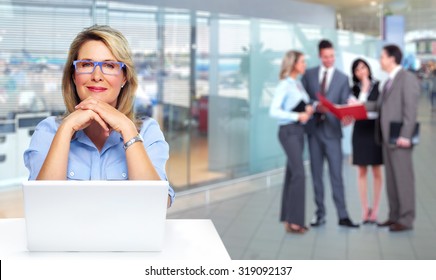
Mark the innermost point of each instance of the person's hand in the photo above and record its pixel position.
(81, 119)
(347, 120)
(352, 101)
(303, 117)
(321, 109)
(365, 84)
(404, 142)
(309, 109)
(110, 115)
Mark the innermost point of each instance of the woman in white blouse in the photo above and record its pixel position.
(290, 107)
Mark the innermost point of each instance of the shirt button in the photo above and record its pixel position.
(71, 173)
(124, 175)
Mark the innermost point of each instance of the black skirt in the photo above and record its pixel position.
(365, 150)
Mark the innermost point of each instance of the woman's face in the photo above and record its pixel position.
(300, 65)
(98, 85)
(361, 71)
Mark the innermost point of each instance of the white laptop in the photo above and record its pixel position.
(95, 215)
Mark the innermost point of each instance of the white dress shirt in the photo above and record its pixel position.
(329, 77)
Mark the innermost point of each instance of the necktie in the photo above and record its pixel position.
(320, 117)
(323, 83)
(387, 86)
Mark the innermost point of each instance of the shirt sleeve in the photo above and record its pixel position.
(363, 96)
(276, 109)
(157, 149)
(40, 143)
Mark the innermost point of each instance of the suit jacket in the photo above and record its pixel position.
(338, 92)
(399, 104)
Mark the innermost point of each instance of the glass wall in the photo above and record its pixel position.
(207, 78)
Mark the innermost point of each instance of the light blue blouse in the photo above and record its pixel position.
(86, 162)
(288, 94)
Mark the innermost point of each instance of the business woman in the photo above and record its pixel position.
(98, 138)
(366, 152)
(290, 107)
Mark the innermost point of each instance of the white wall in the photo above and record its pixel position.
(285, 10)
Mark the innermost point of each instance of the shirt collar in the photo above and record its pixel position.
(394, 72)
(113, 139)
(322, 68)
(81, 137)
(290, 79)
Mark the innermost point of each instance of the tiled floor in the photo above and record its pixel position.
(246, 213)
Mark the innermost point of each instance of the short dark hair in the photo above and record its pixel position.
(394, 50)
(325, 44)
(354, 66)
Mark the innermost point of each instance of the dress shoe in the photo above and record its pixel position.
(386, 223)
(292, 228)
(346, 222)
(367, 219)
(396, 227)
(317, 221)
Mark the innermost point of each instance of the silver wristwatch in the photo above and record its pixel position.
(137, 138)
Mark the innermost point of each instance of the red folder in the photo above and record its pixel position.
(357, 111)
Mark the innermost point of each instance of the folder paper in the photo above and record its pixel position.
(300, 107)
(395, 130)
(357, 111)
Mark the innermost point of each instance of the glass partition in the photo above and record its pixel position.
(207, 78)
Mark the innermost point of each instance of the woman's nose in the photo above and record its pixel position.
(97, 75)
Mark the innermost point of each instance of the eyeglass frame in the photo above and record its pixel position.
(99, 63)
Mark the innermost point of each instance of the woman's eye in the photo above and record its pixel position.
(109, 65)
(87, 64)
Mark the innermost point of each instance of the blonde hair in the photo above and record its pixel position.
(118, 45)
(288, 63)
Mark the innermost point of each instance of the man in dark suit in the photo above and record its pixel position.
(325, 132)
(398, 103)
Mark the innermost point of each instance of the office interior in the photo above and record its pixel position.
(207, 73)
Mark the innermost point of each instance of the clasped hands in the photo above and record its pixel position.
(303, 117)
(92, 109)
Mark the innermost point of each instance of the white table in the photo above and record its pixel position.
(184, 240)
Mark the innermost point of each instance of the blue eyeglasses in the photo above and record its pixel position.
(106, 67)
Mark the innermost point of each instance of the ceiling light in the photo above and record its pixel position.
(373, 3)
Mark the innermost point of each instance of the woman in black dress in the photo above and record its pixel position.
(366, 152)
